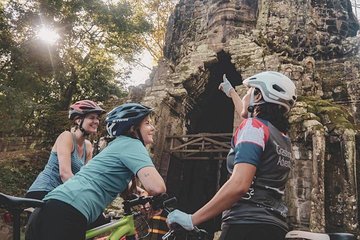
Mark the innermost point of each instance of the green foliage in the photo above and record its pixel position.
(157, 12)
(39, 79)
(18, 171)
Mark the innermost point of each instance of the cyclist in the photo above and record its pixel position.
(71, 149)
(259, 162)
(80, 200)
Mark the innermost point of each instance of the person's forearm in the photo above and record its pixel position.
(237, 101)
(236, 187)
(223, 199)
(65, 176)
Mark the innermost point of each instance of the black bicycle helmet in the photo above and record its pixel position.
(121, 118)
(83, 107)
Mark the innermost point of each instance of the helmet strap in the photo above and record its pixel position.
(82, 129)
(251, 106)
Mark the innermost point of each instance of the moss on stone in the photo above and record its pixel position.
(184, 68)
(329, 113)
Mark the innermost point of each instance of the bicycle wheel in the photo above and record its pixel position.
(141, 225)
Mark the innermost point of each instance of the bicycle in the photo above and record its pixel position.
(293, 235)
(16, 205)
(125, 226)
(296, 234)
(197, 233)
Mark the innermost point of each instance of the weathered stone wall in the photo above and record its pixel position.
(315, 44)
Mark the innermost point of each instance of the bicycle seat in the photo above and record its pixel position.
(341, 236)
(11, 202)
(319, 236)
(306, 235)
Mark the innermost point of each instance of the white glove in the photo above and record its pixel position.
(225, 86)
(181, 218)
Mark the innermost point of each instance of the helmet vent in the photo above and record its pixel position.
(130, 114)
(85, 107)
(278, 88)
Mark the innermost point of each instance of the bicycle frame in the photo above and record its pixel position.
(123, 227)
(126, 225)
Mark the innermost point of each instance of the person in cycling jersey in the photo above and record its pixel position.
(71, 150)
(259, 162)
(80, 200)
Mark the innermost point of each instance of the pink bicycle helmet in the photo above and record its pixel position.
(83, 107)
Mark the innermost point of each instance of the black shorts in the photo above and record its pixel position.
(57, 220)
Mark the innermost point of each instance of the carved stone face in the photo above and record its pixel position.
(226, 19)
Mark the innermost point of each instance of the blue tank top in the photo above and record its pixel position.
(49, 178)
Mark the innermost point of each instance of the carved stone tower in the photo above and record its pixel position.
(315, 43)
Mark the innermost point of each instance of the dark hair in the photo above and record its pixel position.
(131, 132)
(274, 113)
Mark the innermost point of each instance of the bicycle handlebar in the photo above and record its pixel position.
(157, 202)
(197, 232)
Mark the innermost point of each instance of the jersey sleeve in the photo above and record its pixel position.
(137, 157)
(249, 141)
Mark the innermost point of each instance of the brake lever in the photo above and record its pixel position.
(168, 234)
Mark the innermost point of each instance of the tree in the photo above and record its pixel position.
(39, 79)
(157, 12)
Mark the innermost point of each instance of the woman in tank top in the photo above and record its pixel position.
(71, 150)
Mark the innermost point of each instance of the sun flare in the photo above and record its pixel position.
(48, 35)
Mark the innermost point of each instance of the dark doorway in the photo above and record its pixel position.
(194, 182)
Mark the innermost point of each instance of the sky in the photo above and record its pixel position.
(141, 74)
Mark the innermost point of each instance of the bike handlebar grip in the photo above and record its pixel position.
(158, 201)
(170, 202)
(137, 201)
(177, 227)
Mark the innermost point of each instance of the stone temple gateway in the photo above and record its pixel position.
(315, 43)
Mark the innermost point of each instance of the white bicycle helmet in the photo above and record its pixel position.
(275, 88)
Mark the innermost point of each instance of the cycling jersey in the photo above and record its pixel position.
(259, 143)
(49, 178)
(97, 184)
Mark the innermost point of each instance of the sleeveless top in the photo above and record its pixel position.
(259, 143)
(49, 178)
